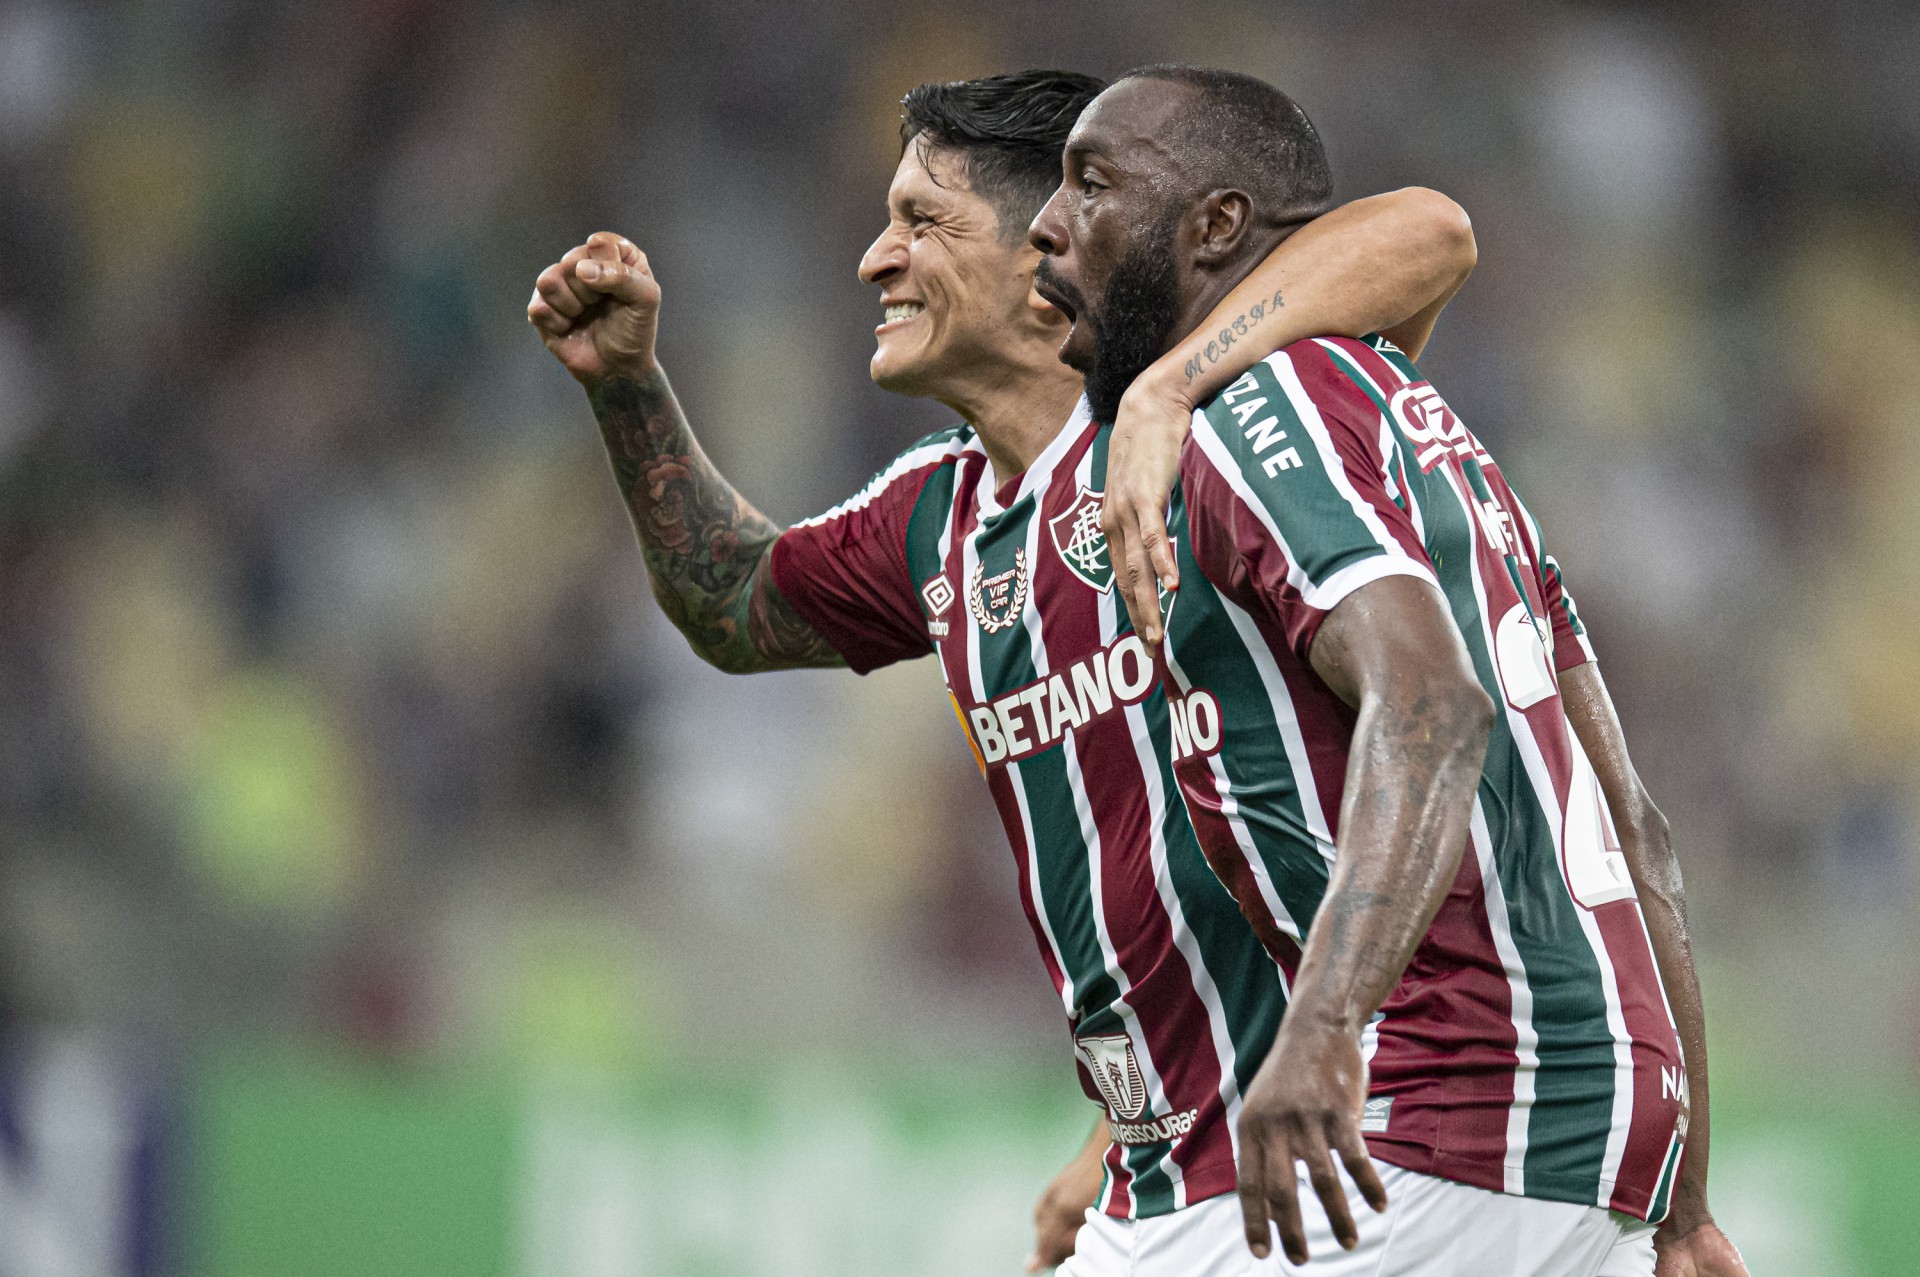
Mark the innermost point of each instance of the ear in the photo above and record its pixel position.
(1220, 224)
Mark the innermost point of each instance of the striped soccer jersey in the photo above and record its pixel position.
(1170, 997)
(1529, 1047)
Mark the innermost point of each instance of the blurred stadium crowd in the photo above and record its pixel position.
(332, 702)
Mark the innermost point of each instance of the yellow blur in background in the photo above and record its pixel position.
(385, 889)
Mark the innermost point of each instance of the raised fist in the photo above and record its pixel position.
(597, 309)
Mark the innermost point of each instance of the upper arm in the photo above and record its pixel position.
(843, 576)
(1394, 639)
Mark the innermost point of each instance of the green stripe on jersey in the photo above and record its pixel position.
(1061, 857)
(1283, 468)
(932, 511)
(1572, 1113)
(1201, 635)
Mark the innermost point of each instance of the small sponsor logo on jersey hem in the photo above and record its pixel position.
(1157, 1131)
(1373, 1119)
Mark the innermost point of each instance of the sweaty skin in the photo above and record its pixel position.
(1389, 649)
(1143, 452)
(985, 345)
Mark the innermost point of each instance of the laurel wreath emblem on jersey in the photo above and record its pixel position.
(997, 601)
(1116, 1071)
(1081, 543)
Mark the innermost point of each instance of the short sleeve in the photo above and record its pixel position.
(1286, 471)
(845, 572)
(1571, 646)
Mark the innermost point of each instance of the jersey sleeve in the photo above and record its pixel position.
(1288, 472)
(845, 572)
(1571, 646)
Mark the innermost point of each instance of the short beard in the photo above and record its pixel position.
(1135, 319)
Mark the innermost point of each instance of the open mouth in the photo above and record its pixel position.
(1051, 292)
(899, 313)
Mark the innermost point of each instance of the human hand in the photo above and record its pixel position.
(1062, 1208)
(1702, 1250)
(1304, 1104)
(1143, 460)
(598, 309)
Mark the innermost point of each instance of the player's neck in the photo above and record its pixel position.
(1017, 414)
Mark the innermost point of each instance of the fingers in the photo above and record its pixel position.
(543, 316)
(1283, 1202)
(1353, 1153)
(1332, 1194)
(562, 293)
(1253, 1196)
(614, 279)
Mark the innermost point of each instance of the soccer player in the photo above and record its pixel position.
(981, 545)
(1396, 751)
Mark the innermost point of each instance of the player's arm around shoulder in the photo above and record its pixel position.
(706, 547)
(1389, 263)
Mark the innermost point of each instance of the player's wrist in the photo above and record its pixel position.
(1161, 383)
(638, 372)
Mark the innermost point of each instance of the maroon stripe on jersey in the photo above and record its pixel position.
(1656, 1056)
(1447, 1047)
(1177, 1027)
(846, 575)
(1331, 388)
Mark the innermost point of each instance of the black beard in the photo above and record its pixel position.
(1135, 319)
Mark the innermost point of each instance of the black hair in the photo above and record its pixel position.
(1242, 132)
(1007, 130)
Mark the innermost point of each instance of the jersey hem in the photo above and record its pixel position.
(1546, 1186)
(1215, 1177)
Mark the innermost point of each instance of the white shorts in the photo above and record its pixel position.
(1431, 1228)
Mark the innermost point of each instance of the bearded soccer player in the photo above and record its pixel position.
(1396, 751)
(962, 546)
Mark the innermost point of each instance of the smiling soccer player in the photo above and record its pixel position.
(981, 545)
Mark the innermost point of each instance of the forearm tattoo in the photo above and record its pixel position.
(1242, 324)
(706, 548)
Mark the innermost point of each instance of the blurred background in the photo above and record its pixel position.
(385, 889)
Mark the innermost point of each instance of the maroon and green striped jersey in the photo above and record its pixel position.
(1171, 999)
(1529, 1047)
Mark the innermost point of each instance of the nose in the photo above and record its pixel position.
(885, 258)
(1049, 230)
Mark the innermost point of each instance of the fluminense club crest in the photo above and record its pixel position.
(1116, 1071)
(1080, 541)
(997, 601)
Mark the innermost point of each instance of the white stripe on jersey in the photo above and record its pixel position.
(1526, 1039)
(1389, 448)
(1203, 984)
(1309, 414)
(1090, 835)
(1544, 791)
(1341, 583)
(970, 559)
(904, 464)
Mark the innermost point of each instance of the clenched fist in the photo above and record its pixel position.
(597, 309)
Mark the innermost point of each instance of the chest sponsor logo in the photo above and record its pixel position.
(997, 601)
(1116, 1071)
(1080, 541)
(937, 594)
(1032, 718)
